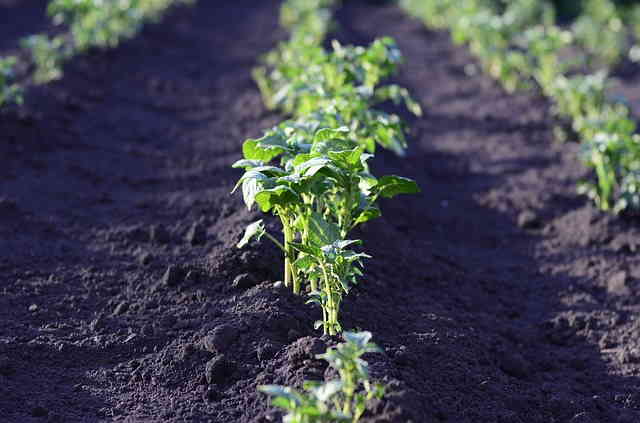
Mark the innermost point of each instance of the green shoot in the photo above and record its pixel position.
(341, 400)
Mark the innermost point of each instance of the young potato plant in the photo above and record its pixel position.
(342, 85)
(341, 400)
(599, 30)
(89, 24)
(321, 189)
(10, 91)
(519, 42)
(311, 172)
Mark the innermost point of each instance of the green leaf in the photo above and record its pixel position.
(254, 230)
(307, 249)
(265, 148)
(322, 232)
(325, 146)
(367, 215)
(247, 164)
(391, 185)
(252, 182)
(325, 134)
(281, 195)
(313, 166)
(304, 262)
(348, 158)
(360, 339)
(327, 390)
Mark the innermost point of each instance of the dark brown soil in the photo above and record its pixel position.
(21, 18)
(498, 294)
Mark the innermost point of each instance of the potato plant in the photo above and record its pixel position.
(88, 24)
(311, 171)
(338, 88)
(341, 400)
(320, 190)
(520, 45)
(10, 91)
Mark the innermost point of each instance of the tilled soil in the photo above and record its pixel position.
(498, 294)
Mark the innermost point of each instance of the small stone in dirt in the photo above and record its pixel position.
(220, 338)
(527, 219)
(218, 369)
(196, 234)
(6, 368)
(584, 417)
(159, 234)
(266, 351)
(96, 324)
(617, 284)
(244, 281)
(515, 365)
(121, 308)
(39, 411)
(144, 258)
(629, 354)
(211, 394)
(33, 308)
(172, 276)
(278, 285)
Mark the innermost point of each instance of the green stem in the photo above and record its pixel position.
(275, 241)
(330, 317)
(289, 271)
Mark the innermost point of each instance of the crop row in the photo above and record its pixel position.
(521, 46)
(311, 172)
(85, 24)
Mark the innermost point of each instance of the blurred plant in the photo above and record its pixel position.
(10, 91)
(341, 400)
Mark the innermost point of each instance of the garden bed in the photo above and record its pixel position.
(498, 294)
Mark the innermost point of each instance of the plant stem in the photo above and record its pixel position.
(289, 271)
(330, 319)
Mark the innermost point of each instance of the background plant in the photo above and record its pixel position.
(342, 400)
(10, 91)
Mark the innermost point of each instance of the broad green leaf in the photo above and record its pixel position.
(391, 185)
(327, 390)
(265, 148)
(322, 232)
(313, 166)
(333, 144)
(252, 182)
(360, 339)
(247, 164)
(330, 133)
(255, 229)
(270, 170)
(367, 215)
(281, 195)
(304, 262)
(307, 249)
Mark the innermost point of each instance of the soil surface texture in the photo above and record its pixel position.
(498, 294)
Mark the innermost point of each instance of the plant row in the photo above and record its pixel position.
(312, 172)
(521, 46)
(85, 24)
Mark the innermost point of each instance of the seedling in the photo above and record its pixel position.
(341, 400)
(320, 192)
(10, 91)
